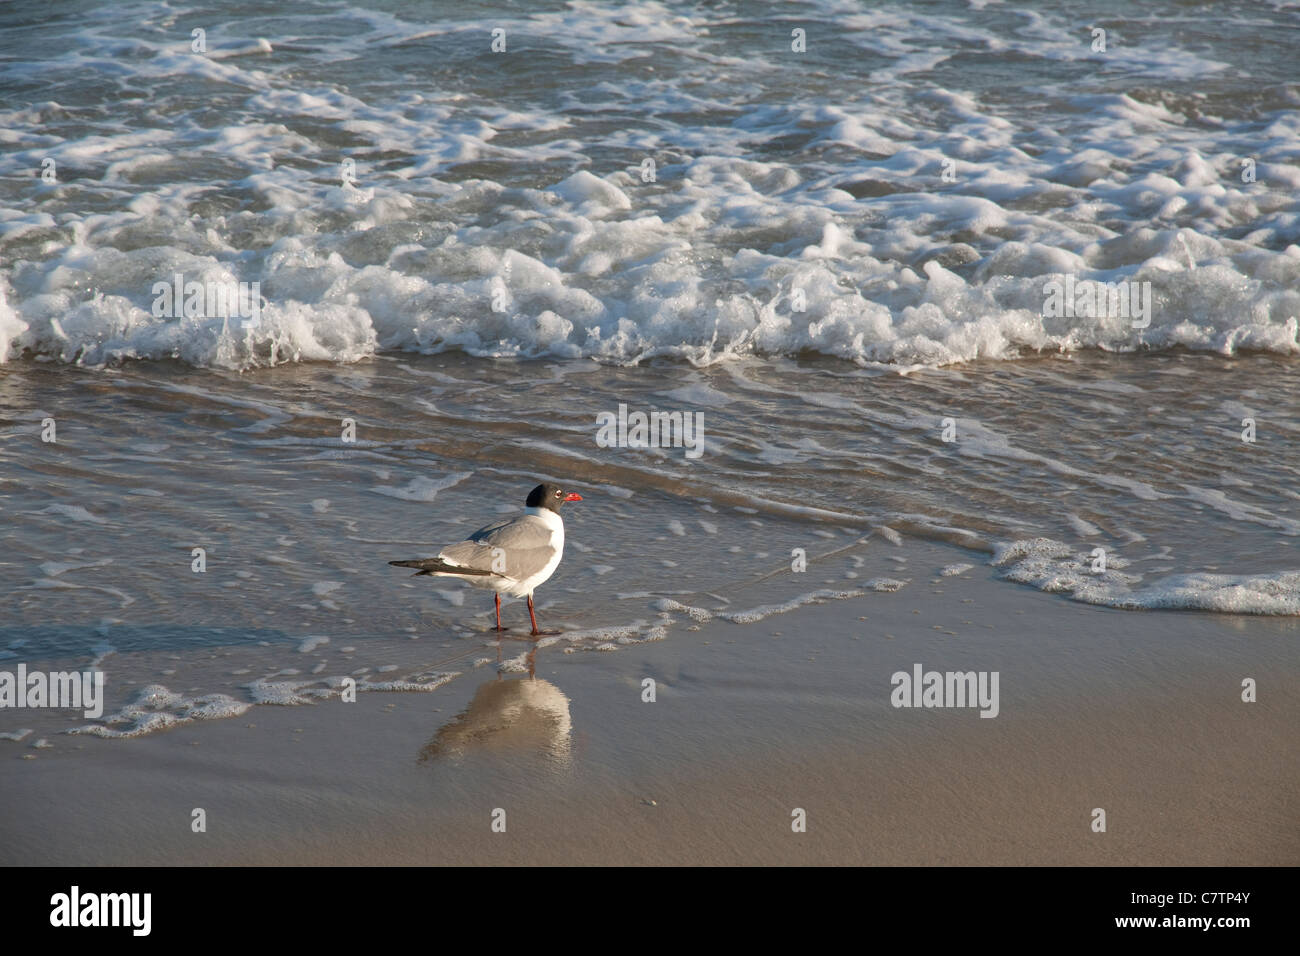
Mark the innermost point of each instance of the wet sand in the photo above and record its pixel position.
(1136, 713)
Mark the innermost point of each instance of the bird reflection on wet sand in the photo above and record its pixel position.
(520, 714)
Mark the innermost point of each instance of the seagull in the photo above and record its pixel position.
(511, 556)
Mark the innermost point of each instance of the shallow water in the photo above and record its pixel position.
(1050, 460)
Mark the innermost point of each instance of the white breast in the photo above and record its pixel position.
(553, 521)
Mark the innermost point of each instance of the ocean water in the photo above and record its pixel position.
(837, 260)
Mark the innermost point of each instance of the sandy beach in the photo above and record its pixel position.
(1136, 713)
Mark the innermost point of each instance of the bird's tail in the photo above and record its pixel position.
(439, 566)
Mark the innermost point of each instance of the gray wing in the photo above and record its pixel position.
(524, 544)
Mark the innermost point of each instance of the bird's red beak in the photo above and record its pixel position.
(573, 496)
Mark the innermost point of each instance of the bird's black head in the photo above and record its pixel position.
(550, 496)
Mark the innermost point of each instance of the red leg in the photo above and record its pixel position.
(532, 615)
(499, 627)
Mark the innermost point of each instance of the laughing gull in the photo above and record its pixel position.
(511, 556)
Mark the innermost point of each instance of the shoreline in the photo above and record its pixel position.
(1134, 712)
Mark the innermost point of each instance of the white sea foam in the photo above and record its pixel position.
(514, 665)
(1056, 567)
(757, 194)
(422, 683)
(157, 708)
(755, 614)
(886, 584)
(695, 613)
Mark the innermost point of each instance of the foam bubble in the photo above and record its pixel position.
(886, 584)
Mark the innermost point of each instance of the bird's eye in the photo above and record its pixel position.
(557, 494)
